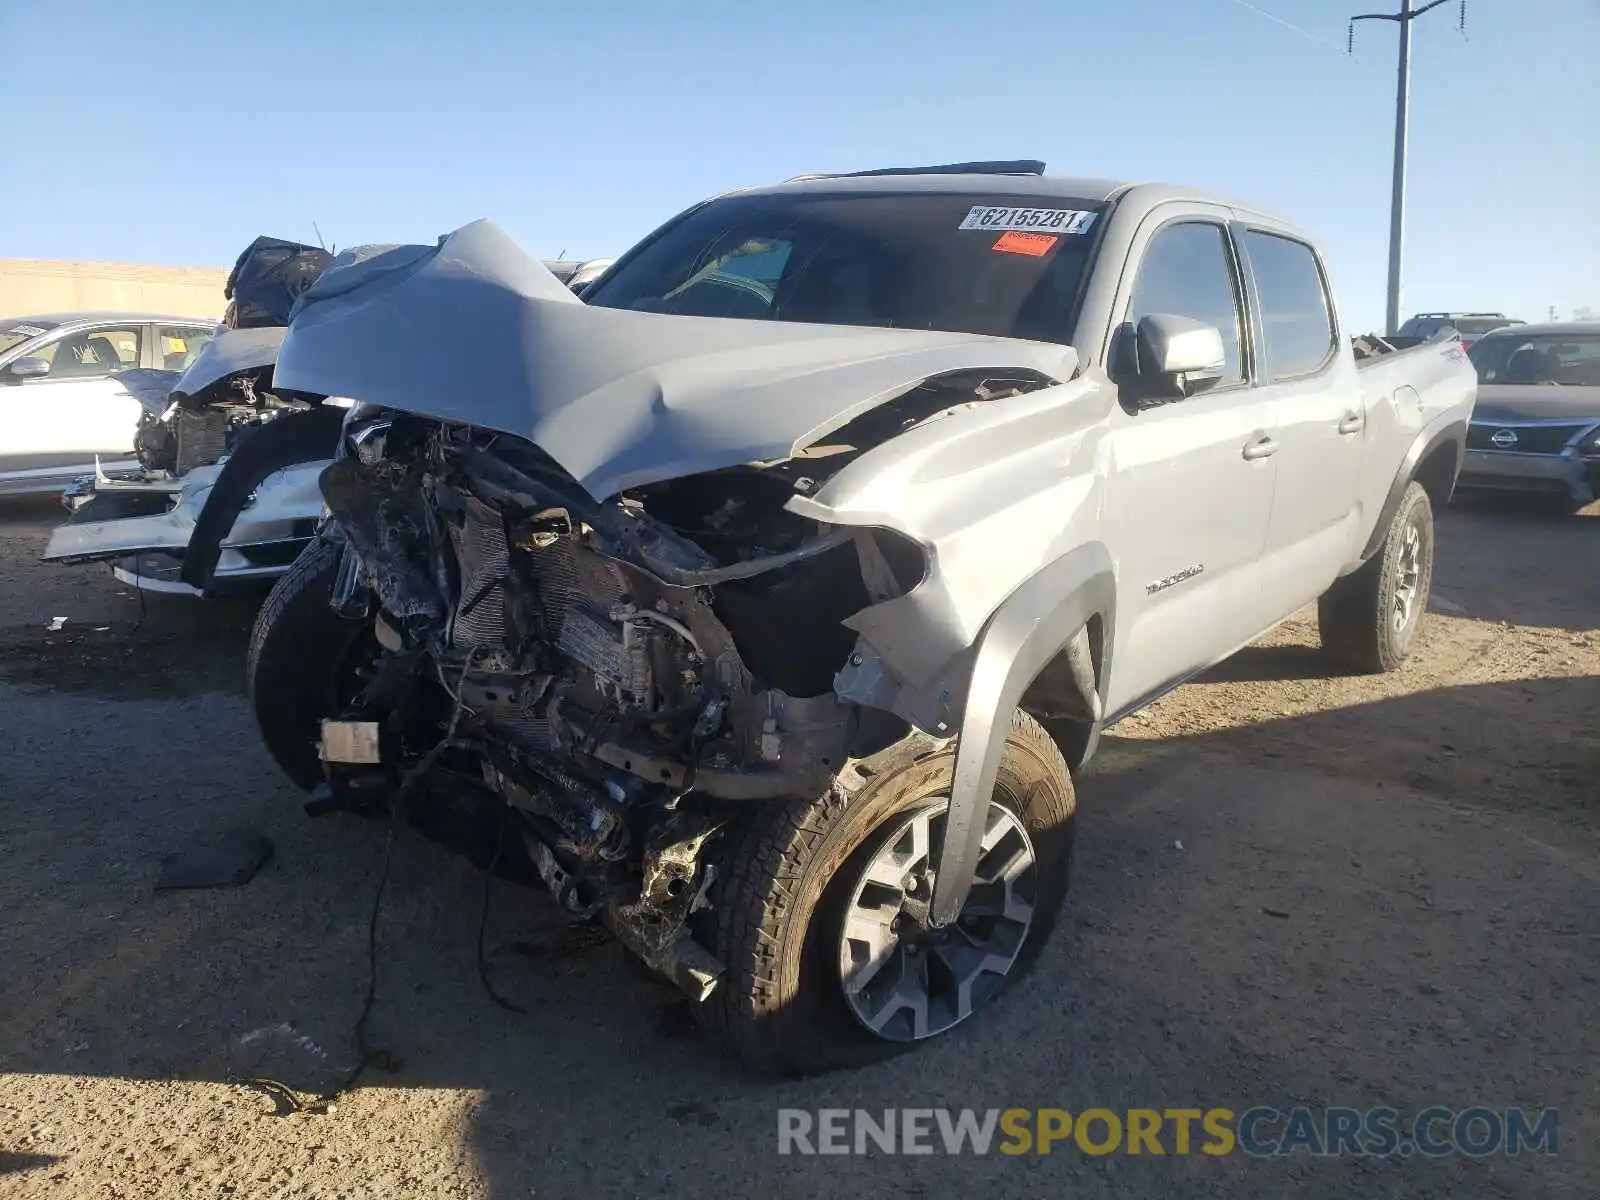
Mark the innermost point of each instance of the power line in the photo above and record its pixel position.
(1289, 25)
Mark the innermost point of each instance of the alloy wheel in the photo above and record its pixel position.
(905, 980)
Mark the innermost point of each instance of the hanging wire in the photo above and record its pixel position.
(1289, 25)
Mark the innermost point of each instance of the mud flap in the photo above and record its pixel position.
(1034, 624)
(286, 441)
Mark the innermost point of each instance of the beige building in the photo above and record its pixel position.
(37, 285)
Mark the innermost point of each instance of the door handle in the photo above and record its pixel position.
(1352, 422)
(1262, 447)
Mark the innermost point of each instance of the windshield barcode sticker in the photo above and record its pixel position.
(1042, 220)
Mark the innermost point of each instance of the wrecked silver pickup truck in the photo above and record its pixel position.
(764, 604)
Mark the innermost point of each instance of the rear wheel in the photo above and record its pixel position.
(1369, 619)
(820, 912)
(304, 662)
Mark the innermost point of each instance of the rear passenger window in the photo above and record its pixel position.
(178, 346)
(1295, 313)
(1187, 271)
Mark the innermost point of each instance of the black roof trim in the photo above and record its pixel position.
(1015, 166)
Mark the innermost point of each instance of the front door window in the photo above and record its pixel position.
(93, 353)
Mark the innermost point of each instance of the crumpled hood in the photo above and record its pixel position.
(231, 351)
(150, 386)
(474, 330)
(1535, 402)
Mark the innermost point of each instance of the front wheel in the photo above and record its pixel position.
(1370, 618)
(304, 662)
(819, 912)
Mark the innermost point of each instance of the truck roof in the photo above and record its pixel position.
(1045, 187)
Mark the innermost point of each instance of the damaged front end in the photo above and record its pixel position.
(227, 493)
(617, 673)
(629, 574)
(223, 496)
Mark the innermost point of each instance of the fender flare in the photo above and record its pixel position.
(1443, 430)
(1031, 626)
(285, 441)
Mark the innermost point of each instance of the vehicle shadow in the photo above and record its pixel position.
(1273, 914)
(1261, 664)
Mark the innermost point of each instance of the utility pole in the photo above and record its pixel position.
(1402, 105)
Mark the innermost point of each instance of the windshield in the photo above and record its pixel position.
(1570, 360)
(1472, 326)
(1009, 266)
(14, 333)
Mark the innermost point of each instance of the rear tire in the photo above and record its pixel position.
(1369, 619)
(790, 874)
(300, 660)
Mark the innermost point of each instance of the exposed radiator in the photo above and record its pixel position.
(480, 547)
(202, 437)
(568, 580)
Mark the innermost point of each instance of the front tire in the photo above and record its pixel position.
(300, 662)
(788, 908)
(1369, 619)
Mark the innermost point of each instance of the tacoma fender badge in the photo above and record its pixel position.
(1177, 577)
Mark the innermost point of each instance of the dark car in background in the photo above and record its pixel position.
(1469, 326)
(1536, 427)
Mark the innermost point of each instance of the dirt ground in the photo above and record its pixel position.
(1292, 887)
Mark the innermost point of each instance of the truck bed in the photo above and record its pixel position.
(1432, 369)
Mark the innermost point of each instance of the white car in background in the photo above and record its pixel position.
(233, 514)
(61, 407)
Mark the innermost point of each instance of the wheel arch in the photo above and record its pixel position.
(1434, 460)
(1038, 644)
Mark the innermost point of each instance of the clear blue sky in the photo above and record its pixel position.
(174, 134)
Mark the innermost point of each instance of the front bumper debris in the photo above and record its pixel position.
(148, 551)
(86, 487)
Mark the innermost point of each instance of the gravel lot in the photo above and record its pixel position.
(1427, 845)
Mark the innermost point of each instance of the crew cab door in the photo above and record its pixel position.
(1309, 375)
(1190, 485)
(77, 410)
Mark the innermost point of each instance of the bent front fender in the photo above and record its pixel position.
(1029, 629)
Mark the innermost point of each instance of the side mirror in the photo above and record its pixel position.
(29, 367)
(1168, 357)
